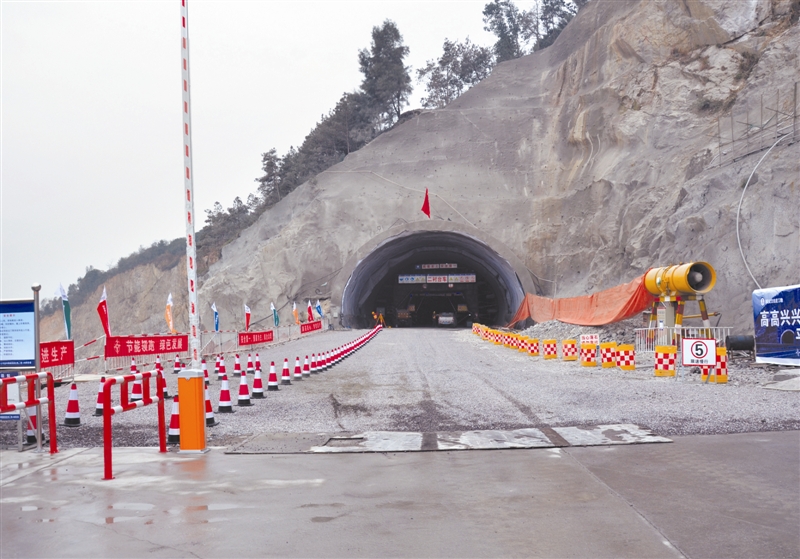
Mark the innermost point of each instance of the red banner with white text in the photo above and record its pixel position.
(129, 346)
(252, 338)
(311, 327)
(53, 354)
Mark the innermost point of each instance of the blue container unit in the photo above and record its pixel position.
(776, 314)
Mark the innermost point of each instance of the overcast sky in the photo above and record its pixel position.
(91, 122)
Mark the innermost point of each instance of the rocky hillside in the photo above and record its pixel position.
(590, 161)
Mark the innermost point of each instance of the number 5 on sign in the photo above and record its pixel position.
(699, 351)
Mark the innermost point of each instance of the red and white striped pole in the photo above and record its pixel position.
(191, 250)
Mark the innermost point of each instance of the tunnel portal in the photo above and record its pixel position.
(432, 278)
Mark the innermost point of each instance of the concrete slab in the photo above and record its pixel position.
(402, 441)
(790, 385)
(445, 504)
(713, 496)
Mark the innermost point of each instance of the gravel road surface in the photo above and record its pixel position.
(450, 380)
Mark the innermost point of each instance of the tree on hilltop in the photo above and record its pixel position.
(387, 83)
(461, 66)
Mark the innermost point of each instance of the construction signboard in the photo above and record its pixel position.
(776, 314)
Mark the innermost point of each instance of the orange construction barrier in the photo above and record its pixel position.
(597, 309)
(569, 350)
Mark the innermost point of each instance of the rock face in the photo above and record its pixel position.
(581, 166)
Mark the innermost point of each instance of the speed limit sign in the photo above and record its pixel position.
(698, 351)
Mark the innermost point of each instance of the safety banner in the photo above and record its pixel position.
(310, 327)
(53, 354)
(128, 346)
(250, 338)
(776, 311)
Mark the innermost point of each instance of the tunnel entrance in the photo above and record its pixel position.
(432, 279)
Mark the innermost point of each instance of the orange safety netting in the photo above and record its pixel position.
(597, 309)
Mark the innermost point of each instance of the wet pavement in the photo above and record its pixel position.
(732, 495)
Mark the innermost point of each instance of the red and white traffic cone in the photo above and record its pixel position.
(258, 386)
(210, 421)
(285, 376)
(237, 367)
(31, 432)
(272, 381)
(250, 369)
(224, 396)
(73, 416)
(244, 392)
(216, 366)
(98, 407)
(298, 373)
(205, 372)
(314, 370)
(136, 391)
(222, 370)
(258, 362)
(174, 432)
(159, 369)
(306, 368)
(177, 367)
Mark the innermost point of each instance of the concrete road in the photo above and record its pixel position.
(701, 496)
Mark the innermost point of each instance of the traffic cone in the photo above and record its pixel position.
(98, 407)
(298, 374)
(272, 381)
(314, 370)
(258, 386)
(73, 416)
(210, 421)
(237, 367)
(216, 366)
(174, 432)
(244, 392)
(31, 432)
(205, 372)
(306, 368)
(222, 370)
(285, 377)
(258, 362)
(136, 392)
(177, 367)
(250, 369)
(224, 396)
(159, 369)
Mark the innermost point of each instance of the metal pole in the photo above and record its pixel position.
(37, 363)
(794, 115)
(719, 141)
(761, 126)
(191, 249)
(733, 138)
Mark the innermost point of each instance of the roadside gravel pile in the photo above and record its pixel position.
(445, 380)
(620, 332)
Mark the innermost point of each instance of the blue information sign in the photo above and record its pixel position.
(13, 396)
(17, 335)
(776, 311)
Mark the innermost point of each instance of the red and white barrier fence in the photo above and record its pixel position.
(127, 405)
(35, 400)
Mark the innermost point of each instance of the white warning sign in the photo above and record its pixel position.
(699, 351)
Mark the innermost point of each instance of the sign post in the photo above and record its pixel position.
(699, 352)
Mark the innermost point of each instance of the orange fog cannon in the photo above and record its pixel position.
(677, 284)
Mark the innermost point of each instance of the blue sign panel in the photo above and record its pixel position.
(776, 311)
(12, 391)
(17, 335)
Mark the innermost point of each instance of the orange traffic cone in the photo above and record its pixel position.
(258, 386)
(210, 421)
(174, 432)
(285, 376)
(272, 381)
(98, 407)
(298, 374)
(244, 392)
(73, 415)
(225, 396)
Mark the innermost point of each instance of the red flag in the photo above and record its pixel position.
(246, 318)
(310, 312)
(426, 205)
(102, 310)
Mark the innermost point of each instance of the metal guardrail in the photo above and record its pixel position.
(648, 338)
